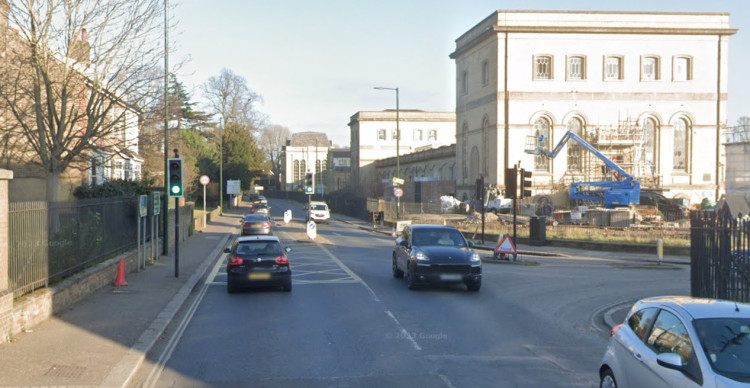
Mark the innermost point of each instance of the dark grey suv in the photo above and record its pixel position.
(426, 254)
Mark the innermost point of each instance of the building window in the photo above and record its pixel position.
(465, 82)
(612, 68)
(542, 127)
(681, 145)
(295, 172)
(432, 136)
(649, 144)
(575, 150)
(542, 67)
(576, 68)
(381, 134)
(485, 73)
(394, 134)
(474, 167)
(119, 173)
(417, 135)
(464, 160)
(650, 68)
(682, 69)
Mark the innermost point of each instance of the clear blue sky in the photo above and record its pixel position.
(315, 63)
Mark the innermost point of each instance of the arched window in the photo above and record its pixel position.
(485, 145)
(542, 126)
(474, 163)
(302, 167)
(650, 134)
(575, 150)
(464, 154)
(681, 145)
(296, 171)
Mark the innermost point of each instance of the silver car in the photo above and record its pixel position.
(679, 341)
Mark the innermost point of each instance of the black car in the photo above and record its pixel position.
(258, 261)
(258, 223)
(427, 254)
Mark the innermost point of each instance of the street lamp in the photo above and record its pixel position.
(398, 139)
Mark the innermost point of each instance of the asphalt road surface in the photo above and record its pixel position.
(349, 323)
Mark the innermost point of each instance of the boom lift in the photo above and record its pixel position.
(623, 190)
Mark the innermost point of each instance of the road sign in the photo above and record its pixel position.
(312, 231)
(157, 204)
(205, 179)
(288, 216)
(398, 181)
(398, 192)
(506, 245)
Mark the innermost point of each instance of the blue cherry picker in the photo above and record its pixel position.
(622, 190)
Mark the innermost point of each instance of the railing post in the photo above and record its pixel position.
(6, 295)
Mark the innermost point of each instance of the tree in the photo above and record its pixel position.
(243, 159)
(231, 100)
(272, 140)
(72, 73)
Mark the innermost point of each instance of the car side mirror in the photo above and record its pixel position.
(227, 250)
(669, 360)
(471, 243)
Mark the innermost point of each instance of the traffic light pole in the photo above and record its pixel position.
(176, 237)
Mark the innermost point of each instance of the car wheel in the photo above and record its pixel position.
(608, 380)
(397, 273)
(288, 286)
(474, 286)
(411, 282)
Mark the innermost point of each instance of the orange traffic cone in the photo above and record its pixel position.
(120, 279)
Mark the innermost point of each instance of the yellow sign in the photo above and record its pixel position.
(398, 181)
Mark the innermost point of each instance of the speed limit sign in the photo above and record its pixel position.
(398, 192)
(204, 180)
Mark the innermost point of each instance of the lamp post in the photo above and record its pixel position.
(165, 244)
(221, 173)
(398, 140)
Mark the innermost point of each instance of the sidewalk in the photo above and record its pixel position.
(101, 340)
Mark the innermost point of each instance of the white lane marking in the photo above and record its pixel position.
(153, 376)
(404, 333)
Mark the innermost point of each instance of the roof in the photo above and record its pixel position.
(303, 139)
(256, 238)
(431, 226)
(702, 307)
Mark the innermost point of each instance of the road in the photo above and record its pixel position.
(349, 323)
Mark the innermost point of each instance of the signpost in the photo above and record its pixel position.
(155, 223)
(312, 231)
(287, 216)
(398, 192)
(398, 181)
(204, 181)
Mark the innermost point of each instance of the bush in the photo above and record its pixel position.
(115, 188)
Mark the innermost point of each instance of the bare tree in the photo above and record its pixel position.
(272, 140)
(231, 100)
(73, 74)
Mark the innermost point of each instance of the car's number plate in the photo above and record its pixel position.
(260, 276)
(450, 277)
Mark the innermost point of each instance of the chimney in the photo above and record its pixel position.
(80, 50)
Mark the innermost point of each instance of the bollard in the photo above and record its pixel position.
(660, 249)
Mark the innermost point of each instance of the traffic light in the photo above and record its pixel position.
(480, 189)
(176, 182)
(511, 183)
(309, 184)
(525, 183)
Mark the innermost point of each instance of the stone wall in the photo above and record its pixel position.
(6, 296)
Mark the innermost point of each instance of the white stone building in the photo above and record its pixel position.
(305, 152)
(648, 89)
(373, 137)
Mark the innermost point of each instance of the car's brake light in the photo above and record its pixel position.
(282, 259)
(246, 225)
(266, 225)
(614, 330)
(235, 260)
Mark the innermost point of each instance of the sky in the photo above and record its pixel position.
(315, 63)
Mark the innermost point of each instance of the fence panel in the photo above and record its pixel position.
(27, 246)
(720, 257)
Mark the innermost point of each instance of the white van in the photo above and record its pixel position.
(318, 212)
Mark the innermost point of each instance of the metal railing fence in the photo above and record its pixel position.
(51, 241)
(720, 256)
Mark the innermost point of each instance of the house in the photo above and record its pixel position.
(95, 135)
(647, 89)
